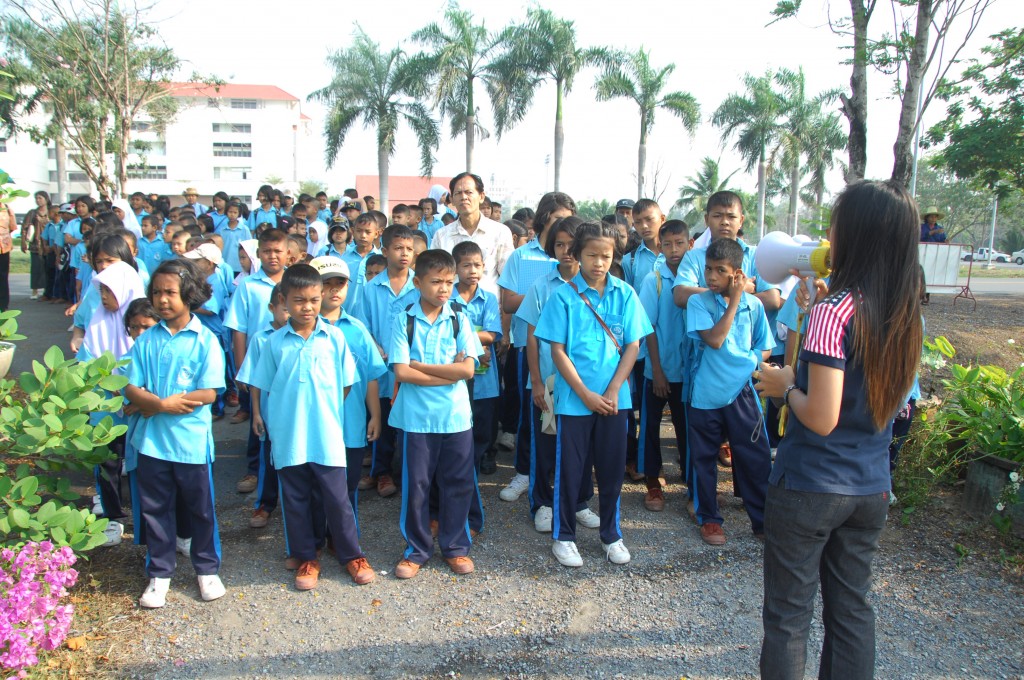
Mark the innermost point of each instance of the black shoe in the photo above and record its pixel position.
(488, 466)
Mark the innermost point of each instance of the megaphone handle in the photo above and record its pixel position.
(812, 291)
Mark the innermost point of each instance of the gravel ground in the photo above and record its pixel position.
(679, 609)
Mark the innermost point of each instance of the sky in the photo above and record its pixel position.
(712, 43)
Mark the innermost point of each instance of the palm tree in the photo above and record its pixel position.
(797, 131)
(825, 138)
(635, 79)
(699, 187)
(382, 89)
(546, 44)
(754, 119)
(467, 52)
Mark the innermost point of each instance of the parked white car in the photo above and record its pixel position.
(981, 255)
(1017, 257)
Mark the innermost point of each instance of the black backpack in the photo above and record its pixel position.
(410, 328)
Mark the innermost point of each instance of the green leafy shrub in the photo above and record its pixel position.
(45, 435)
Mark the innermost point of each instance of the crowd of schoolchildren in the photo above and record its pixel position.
(344, 340)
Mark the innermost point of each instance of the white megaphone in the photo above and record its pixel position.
(778, 253)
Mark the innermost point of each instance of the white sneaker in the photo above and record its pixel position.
(588, 518)
(616, 552)
(507, 441)
(183, 545)
(211, 588)
(97, 506)
(892, 499)
(516, 488)
(114, 533)
(567, 554)
(156, 593)
(543, 519)
(33, 296)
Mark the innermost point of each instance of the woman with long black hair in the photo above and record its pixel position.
(828, 493)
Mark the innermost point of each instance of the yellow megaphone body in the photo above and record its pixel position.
(778, 253)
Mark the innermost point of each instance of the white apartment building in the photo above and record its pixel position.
(228, 139)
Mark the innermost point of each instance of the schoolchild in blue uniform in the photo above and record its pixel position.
(362, 406)
(641, 263)
(218, 211)
(104, 249)
(233, 231)
(176, 371)
(267, 487)
(337, 236)
(538, 353)
(731, 338)
(433, 369)
(266, 212)
(384, 299)
(51, 232)
(525, 265)
(481, 307)
(355, 254)
(306, 365)
(152, 248)
(247, 314)
(665, 377)
(430, 222)
(594, 324)
(207, 257)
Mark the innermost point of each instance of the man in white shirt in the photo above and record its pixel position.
(494, 238)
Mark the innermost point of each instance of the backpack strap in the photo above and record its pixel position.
(410, 330)
(597, 316)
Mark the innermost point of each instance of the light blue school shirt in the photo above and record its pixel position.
(640, 264)
(248, 309)
(227, 279)
(669, 323)
(529, 312)
(525, 265)
(252, 358)
(143, 273)
(369, 366)
(77, 253)
(357, 275)
(442, 409)
(58, 235)
(378, 310)
(154, 252)
(233, 237)
(259, 216)
(85, 274)
(325, 215)
(216, 304)
(306, 380)
(789, 313)
(719, 375)
(567, 320)
(220, 220)
(86, 307)
(166, 364)
(430, 228)
(691, 269)
(482, 310)
(51, 232)
(73, 228)
(334, 252)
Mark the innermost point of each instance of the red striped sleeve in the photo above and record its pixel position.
(827, 327)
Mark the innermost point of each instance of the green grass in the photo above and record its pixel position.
(980, 271)
(19, 261)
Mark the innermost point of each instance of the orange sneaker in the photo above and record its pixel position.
(655, 498)
(712, 533)
(360, 571)
(308, 575)
(386, 486)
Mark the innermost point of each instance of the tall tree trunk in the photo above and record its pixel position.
(903, 149)
(470, 127)
(124, 131)
(62, 170)
(559, 133)
(382, 177)
(794, 198)
(641, 157)
(762, 190)
(855, 106)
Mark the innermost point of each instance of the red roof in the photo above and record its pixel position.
(401, 188)
(231, 91)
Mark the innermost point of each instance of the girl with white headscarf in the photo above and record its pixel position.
(316, 246)
(123, 209)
